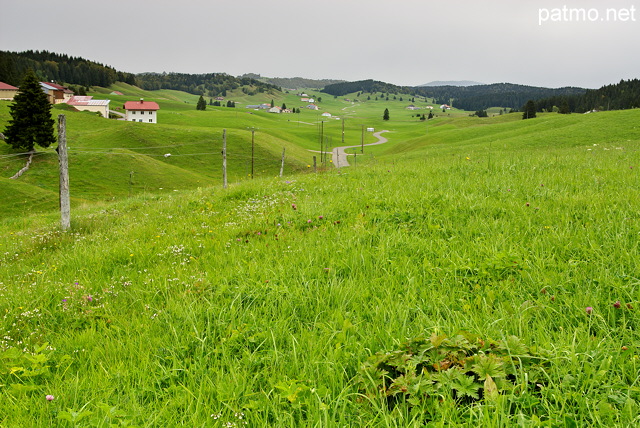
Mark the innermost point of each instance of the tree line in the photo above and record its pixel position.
(50, 66)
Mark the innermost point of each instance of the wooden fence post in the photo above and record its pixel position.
(224, 158)
(65, 205)
(282, 162)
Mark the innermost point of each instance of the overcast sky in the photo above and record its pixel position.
(405, 42)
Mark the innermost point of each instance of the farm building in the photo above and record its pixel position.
(326, 114)
(57, 94)
(7, 92)
(275, 110)
(87, 103)
(141, 111)
(312, 107)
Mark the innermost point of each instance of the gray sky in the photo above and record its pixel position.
(405, 42)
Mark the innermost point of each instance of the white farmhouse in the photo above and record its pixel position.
(326, 114)
(87, 103)
(141, 111)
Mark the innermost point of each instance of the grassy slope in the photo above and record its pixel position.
(214, 302)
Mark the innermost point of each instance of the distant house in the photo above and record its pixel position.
(445, 106)
(141, 111)
(312, 107)
(304, 100)
(326, 114)
(7, 92)
(255, 107)
(116, 93)
(430, 107)
(286, 110)
(56, 93)
(219, 98)
(275, 110)
(311, 100)
(412, 107)
(87, 103)
(264, 106)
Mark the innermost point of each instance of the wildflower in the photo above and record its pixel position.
(320, 217)
(50, 397)
(89, 298)
(588, 310)
(528, 204)
(294, 206)
(617, 304)
(309, 221)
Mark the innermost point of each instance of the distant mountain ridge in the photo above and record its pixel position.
(451, 83)
(293, 82)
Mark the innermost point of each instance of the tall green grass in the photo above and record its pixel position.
(260, 303)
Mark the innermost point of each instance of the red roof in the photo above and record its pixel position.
(8, 87)
(141, 105)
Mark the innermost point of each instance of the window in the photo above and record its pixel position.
(150, 120)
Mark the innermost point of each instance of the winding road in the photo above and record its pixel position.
(339, 156)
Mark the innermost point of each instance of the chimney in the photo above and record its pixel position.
(141, 100)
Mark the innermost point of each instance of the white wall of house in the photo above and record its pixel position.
(148, 116)
(103, 110)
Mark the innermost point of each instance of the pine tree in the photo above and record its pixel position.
(284, 106)
(31, 121)
(202, 104)
(385, 116)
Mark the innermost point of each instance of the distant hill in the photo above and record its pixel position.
(293, 82)
(620, 96)
(452, 83)
(209, 85)
(60, 68)
(370, 86)
(481, 97)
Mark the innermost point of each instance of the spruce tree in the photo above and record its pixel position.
(385, 116)
(202, 104)
(529, 110)
(31, 121)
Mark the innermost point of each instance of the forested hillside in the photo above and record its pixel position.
(211, 84)
(59, 67)
(620, 96)
(371, 86)
(481, 97)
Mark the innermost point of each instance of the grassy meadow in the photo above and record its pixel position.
(470, 272)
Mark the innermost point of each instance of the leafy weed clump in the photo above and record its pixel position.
(461, 370)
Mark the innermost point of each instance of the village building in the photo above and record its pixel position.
(275, 109)
(412, 107)
(141, 111)
(87, 103)
(7, 92)
(56, 93)
(312, 107)
(116, 93)
(326, 114)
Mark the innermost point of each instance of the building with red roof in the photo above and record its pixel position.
(87, 103)
(7, 92)
(141, 111)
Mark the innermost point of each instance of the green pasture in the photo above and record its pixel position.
(505, 251)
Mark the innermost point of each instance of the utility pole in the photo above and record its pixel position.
(224, 158)
(362, 141)
(65, 206)
(253, 132)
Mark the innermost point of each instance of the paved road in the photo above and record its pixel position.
(339, 156)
